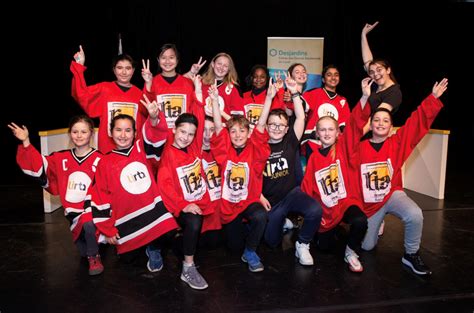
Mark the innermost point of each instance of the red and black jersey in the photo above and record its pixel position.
(380, 170)
(321, 103)
(242, 173)
(331, 176)
(106, 100)
(175, 98)
(230, 99)
(63, 173)
(125, 198)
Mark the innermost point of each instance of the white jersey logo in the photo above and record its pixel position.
(331, 184)
(190, 180)
(327, 109)
(236, 181)
(116, 108)
(376, 180)
(135, 178)
(77, 185)
(213, 179)
(172, 105)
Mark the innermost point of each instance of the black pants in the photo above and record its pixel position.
(247, 234)
(191, 224)
(358, 221)
(87, 242)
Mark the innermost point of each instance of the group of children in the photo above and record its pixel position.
(189, 156)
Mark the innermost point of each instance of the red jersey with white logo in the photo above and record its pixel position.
(320, 103)
(125, 198)
(230, 99)
(106, 100)
(63, 173)
(175, 98)
(253, 105)
(380, 171)
(242, 174)
(332, 178)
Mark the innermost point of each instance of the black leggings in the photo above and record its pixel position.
(191, 224)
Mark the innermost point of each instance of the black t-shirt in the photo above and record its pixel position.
(392, 95)
(279, 173)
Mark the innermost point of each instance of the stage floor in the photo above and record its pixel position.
(41, 270)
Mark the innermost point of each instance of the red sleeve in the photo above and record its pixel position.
(277, 102)
(416, 127)
(236, 105)
(151, 95)
(355, 128)
(261, 148)
(345, 113)
(41, 168)
(308, 179)
(88, 97)
(220, 146)
(99, 200)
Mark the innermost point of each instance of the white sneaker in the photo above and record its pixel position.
(381, 228)
(352, 259)
(302, 253)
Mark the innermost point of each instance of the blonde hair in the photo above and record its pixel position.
(332, 150)
(238, 119)
(230, 78)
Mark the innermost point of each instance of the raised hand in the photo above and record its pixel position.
(368, 27)
(291, 84)
(278, 80)
(196, 67)
(146, 73)
(80, 56)
(19, 132)
(440, 88)
(366, 84)
(152, 107)
(213, 91)
(272, 89)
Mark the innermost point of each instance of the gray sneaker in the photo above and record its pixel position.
(191, 276)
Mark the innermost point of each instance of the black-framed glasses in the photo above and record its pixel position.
(273, 126)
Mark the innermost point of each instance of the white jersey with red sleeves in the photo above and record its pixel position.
(106, 100)
(175, 98)
(332, 178)
(63, 173)
(242, 174)
(125, 199)
(320, 103)
(380, 171)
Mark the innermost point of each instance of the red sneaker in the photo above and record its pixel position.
(95, 265)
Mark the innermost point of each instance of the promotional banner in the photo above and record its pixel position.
(284, 51)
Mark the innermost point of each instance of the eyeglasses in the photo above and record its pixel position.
(277, 126)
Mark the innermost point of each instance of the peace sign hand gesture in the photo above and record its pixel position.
(153, 109)
(146, 73)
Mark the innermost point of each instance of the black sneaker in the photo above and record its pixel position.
(416, 264)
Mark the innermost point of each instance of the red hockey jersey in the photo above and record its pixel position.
(253, 104)
(214, 189)
(105, 100)
(380, 171)
(333, 181)
(242, 174)
(63, 173)
(230, 99)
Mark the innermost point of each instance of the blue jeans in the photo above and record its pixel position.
(299, 202)
(405, 209)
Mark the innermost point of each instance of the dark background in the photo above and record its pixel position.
(423, 46)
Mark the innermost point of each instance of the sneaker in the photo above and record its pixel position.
(416, 264)
(253, 261)
(352, 259)
(288, 225)
(155, 261)
(191, 276)
(302, 253)
(381, 228)
(95, 265)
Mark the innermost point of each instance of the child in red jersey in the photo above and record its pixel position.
(69, 174)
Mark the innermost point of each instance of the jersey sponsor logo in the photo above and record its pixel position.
(253, 112)
(213, 179)
(135, 178)
(236, 181)
(191, 181)
(228, 89)
(376, 180)
(330, 182)
(173, 105)
(208, 105)
(116, 108)
(77, 185)
(276, 166)
(327, 109)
